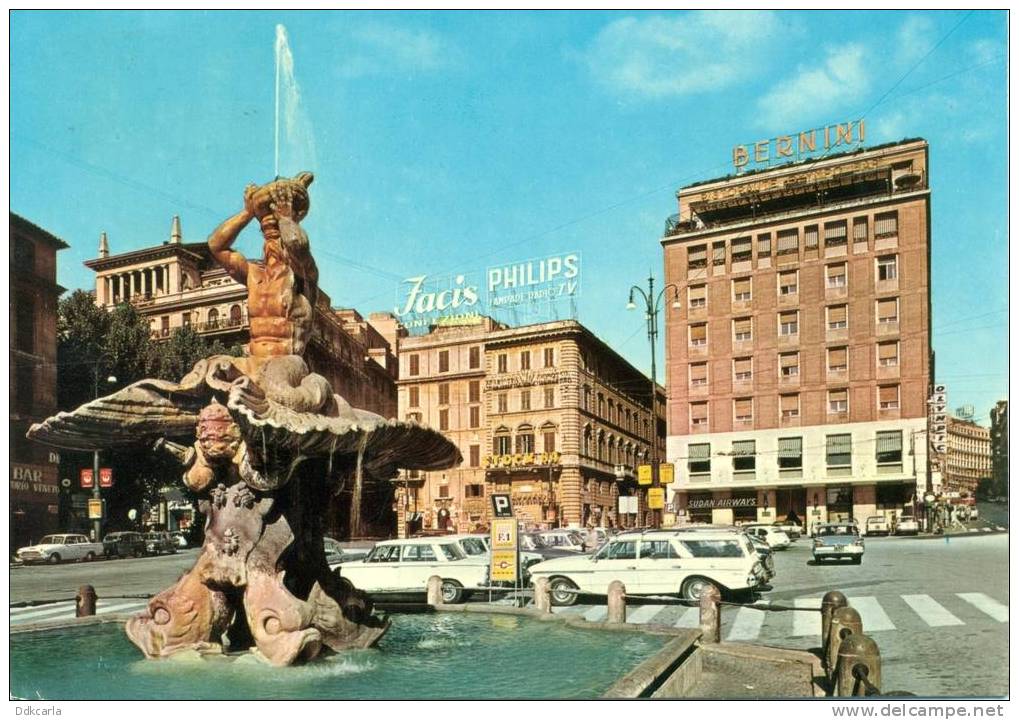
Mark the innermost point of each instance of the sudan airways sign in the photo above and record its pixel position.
(798, 146)
(461, 299)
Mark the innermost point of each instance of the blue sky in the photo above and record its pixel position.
(447, 142)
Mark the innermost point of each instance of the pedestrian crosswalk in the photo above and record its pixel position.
(803, 628)
(65, 610)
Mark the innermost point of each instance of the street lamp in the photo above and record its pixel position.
(96, 494)
(653, 304)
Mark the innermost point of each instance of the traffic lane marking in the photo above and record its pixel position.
(748, 623)
(807, 623)
(986, 604)
(931, 611)
(872, 615)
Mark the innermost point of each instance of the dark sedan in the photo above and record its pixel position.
(124, 544)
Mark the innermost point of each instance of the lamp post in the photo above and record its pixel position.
(96, 494)
(652, 305)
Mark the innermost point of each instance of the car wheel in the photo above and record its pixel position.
(694, 587)
(452, 592)
(90, 556)
(53, 559)
(560, 589)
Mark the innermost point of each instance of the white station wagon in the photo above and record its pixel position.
(54, 548)
(658, 562)
(402, 567)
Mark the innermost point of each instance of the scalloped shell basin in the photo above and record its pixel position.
(445, 655)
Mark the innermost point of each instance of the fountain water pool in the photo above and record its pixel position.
(426, 656)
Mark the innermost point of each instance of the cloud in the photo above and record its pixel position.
(666, 56)
(914, 39)
(813, 92)
(381, 48)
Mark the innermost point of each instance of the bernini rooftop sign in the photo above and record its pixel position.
(797, 146)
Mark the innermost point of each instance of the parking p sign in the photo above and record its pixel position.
(501, 506)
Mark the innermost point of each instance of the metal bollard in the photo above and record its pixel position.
(616, 602)
(435, 591)
(711, 615)
(858, 654)
(542, 596)
(831, 601)
(85, 601)
(844, 622)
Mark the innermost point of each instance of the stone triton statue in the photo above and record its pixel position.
(264, 443)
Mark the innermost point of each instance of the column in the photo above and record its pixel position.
(721, 515)
(145, 281)
(864, 503)
(121, 287)
(817, 506)
(569, 496)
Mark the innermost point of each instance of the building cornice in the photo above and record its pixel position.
(158, 252)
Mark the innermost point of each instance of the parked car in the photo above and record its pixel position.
(336, 554)
(834, 541)
(793, 530)
(766, 554)
(564, 539)
(402, 567)
(124, 544)
(180, 539)
(56, 548)
(158, 542)
(658, 562)
(764, 551)
(479, 546)
(906, 525)
(877, 525)
(775, 538)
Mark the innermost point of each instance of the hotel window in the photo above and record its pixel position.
(839, 451)
(549, 439)
(697, 257)
(444, 419)
(889, 448)
(887, 267)
(502, 402)
(742, 369)
(790, 453)
(699, 335)
(741, 290)
(789, 406)
(741, 329)
(415, 365)
(587, 398)
(810, 237)
(838, 401)
(835, 233)
(475, 458)
(502, 362)
(788, 323)
(475, 416)
(443, 393)
(886, 224)
(444, 361)
(764, 245)
(474, 391)
(601, 405)
(789, 364)
(525, 360)
(787, 283)
(413, 396)
(718, 253)
(698, 374)
(838, 317)
(525, 440)
(888, 354)
(525, 399)
(550, 397)
(888, 397)
(888, 311)
(501, 442)
(835, 276)
(741, 249)
(699, 459)
(421, 554)
(474, 355)
(744, 455)
(788, 242)
(838, 359)
(743, 410)
(697, 296)
(698, 414)
(860, 230)
(549, 357)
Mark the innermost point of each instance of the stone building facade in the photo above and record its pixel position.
(999, 446)
(32, 380)
(547, 413)
(799, 367)
(968, 460)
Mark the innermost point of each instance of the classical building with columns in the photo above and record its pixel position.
(547, 413)
(177, 284)
(800, 365)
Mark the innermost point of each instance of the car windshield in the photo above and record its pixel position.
(452, 552)
(472, 546)
(52, 540)
(625, 550)
(384, 553)
(713, 548)
(836, 530)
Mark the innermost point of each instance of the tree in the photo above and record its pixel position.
(174, 358)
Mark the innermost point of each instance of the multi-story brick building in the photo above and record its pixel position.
(999, 446)
(547, 413)
(968, 460)
(32, 380)
(179, 284)
(799, 368)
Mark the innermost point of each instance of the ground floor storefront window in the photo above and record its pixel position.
(698, 507)
(840, 503)
(744, 507)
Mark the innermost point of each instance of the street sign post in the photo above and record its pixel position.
(666, 473)
(501, 506)
(656, 498)
(644, 475)
(95, 509)
(504, 550)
